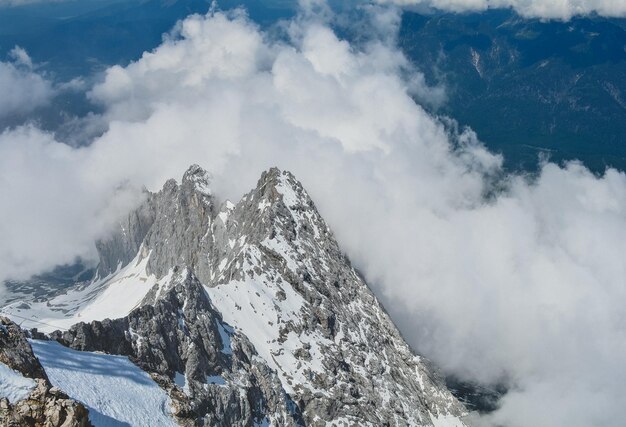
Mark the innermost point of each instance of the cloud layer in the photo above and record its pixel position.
(490, 275)
(21, 88)
(546, 9)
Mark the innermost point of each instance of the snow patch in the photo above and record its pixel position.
(215, 379)
(446, 421)
(282, 248)
(181, 381)
(290, 198)
(225, 332)
(476, 62)
(115, 391)
(264, 204)
(13, 385)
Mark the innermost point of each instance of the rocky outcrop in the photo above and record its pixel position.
(46, 406)
(124, 243)
(214, 375)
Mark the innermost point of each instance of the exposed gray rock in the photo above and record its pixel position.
(16, 353)
(124, 243)
(184, 214)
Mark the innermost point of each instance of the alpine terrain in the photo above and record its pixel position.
(243, 314)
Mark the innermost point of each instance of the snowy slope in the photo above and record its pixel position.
(251, 307)
(281, 280)
(14, 385)
(112, 297)
(446, 421)
(116, 392)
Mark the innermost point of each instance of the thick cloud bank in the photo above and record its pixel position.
(490, 275)
(546, 9)
(21, 88)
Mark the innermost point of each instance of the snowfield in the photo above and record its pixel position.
(112, 297)
(13, 385)
(116, 392)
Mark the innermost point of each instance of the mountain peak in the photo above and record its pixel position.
(278, 185)
(270, 268)
(199, 178)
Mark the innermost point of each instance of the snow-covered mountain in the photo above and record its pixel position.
(245, 314)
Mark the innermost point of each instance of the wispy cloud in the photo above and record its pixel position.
(22, 89)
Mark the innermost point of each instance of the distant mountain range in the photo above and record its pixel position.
(529, 87)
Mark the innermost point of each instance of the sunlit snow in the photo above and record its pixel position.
(113, 297)
(14, 385)
(116, 392)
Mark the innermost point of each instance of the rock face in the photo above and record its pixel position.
(180, 338)
(259, 317)
(122, 247)
(46, 406)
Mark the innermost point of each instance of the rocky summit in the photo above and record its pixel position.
(246, 314)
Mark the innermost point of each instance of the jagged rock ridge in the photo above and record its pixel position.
(262, 313)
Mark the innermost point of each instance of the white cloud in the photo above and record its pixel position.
(547, 9)
(22, 89)
(526, 283)
(53, 204)
(13, 3)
